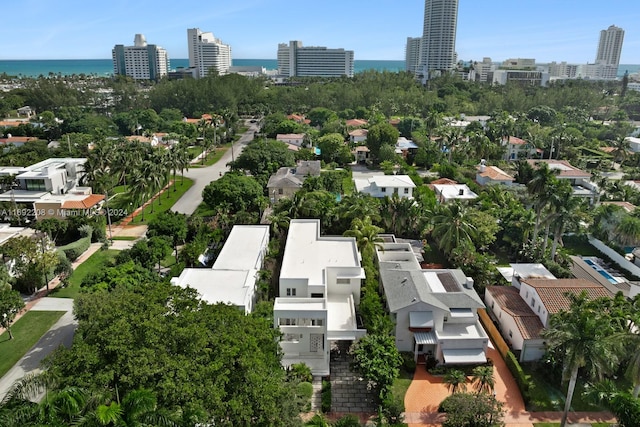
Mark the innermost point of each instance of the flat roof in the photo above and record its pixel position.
(307, 255)
(452, 191)
(341, 313)
(216, 286)
(393, 181)
(243, 248)
(299, 304)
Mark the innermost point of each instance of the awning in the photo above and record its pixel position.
(420, 319)
(462, 356)
(425, 338)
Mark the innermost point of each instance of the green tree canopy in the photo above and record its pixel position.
(237, 191)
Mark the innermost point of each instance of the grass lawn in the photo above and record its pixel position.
(401, 385)
(213, 156)
(550, 396)
(123, 237)
(348, 187)
(26, 332)
(169, 198)
(94, 263)
(577, 246)
(169, 260)
(194, 151)
(204, 210)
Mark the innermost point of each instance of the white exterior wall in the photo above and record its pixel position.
(301, 286)
(352, 288)
(531, 297)
(404, 337)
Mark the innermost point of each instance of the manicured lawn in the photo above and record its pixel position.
(169, 198)
(577, 246)
(94, 263)
(213, 156)
(204, 210)
(124, 237)
(401, 385)
(26, 332)
(194, 151)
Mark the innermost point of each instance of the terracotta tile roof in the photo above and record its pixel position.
(495, 173)
(359, 132)
(86, 203)
(356, 122)
(515, 140)
(629, 207)
(11, 123)
(510, 301)
(362, 148)
(444, 181)
(608, 149)
(17, 139)
(552, 291)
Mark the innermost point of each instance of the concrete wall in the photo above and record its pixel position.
(615, 256)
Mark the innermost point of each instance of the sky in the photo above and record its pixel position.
(546, 30)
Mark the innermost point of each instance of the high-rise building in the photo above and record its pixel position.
(412, 54)
(207, 52)
(141, 61)
(296, 60)
(438, 50)
(609, 49)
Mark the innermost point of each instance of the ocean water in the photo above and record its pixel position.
(104, 67)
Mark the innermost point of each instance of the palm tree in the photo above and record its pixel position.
(565, 207)
(451, 227)
(627, 231)
(140, 189)
(538, 188)
(366, 235)
(455, 380)
(585, 339)
(483, 379)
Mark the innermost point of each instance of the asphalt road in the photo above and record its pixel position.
(201, 177)
(61, 333)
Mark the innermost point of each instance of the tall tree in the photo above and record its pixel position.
(585, 339)
(10, 305)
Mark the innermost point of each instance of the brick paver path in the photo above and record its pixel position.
(427, 391)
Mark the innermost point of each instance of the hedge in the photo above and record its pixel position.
(521, 378)
(326, 396)
(74, 249)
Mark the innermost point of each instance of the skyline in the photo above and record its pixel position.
(554, 30)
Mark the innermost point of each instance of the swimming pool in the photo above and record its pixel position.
(600, 270)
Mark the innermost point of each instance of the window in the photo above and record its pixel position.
(510, 334)
(280, 191)
(383, 189)
(539, 309)
(406, 191)
(493, 303)
(446, 318)
(533, 303)
(35, 185)
(340, 281)
(317, 322)
(291, 292)
(527, 295)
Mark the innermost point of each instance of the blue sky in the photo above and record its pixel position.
(547, 30)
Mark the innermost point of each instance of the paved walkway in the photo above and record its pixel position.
(61, 333)
(427, 391)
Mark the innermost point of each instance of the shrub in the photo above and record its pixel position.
(326, 396)
(74, 249)
(85, 230)
(522, 379)
(347, 421)
(304, 390)
(301, 372)
(392, 410)
(408, 361)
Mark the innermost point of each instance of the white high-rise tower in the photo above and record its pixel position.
(438, 47)
(609, 49)
(206, 52)
(141, 61)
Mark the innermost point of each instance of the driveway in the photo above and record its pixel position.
(201, 177)
(61, 333)
(427, 391)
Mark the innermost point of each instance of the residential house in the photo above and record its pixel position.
(299, 119)
(523, 313)
(405, 147)
(634, 144)
(579, 179)
(293, 140)
(386, 185)
(232, 279)
(596, 270)
(448, 192)
(26, 111)
(488, 175)
(319, 289)
(358, 136)
(15, 141)
(435, 312)
(287, 181)
(361, 153)
(515, 273)
(518, 149)
(356, 123)
(51, 189)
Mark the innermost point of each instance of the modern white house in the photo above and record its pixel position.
(435, 312)
(318, 291)
(579, 179)
(386, 185)
(291, 139)
(448, 192)
(51, 188)
(517, 149)
(515, 273)
(232, 279)
(523, 313)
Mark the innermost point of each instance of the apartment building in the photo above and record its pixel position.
(294, 59)
(141, 61)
